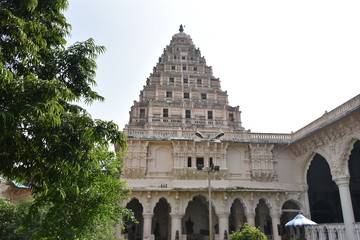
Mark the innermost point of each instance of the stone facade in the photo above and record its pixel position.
(264, 179)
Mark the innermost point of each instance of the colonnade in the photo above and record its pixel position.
(176, 226)
(223, 219)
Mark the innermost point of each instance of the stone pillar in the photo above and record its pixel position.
(176, 224)
(223, 224)
(346, 206)
(147, 225)
(275, 218)
(250, 217)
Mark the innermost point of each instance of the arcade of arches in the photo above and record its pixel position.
(161, 214)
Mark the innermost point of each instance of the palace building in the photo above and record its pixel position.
(184, 138)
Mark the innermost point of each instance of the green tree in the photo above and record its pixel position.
(47, 140)
(13, 217)
(247, 232)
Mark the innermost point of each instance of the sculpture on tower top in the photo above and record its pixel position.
(181, 29)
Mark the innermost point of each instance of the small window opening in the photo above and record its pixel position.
(142, 113)
(165, 112)
(200, 162)
(189, 161)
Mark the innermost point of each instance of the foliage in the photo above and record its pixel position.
(47, 141)
(15, 225)
(13, 217)
(247, 232)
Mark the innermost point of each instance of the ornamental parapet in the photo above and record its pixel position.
(328, 118)
(189, 135)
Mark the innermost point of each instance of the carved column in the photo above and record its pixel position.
(176, 224)
(147, 225)
(251, 218)
(275, 218)
(346, 206)
(223, 224)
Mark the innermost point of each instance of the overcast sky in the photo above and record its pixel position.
(284, 62)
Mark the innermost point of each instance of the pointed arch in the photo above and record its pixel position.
(237, 214)
(354, 172)
(206, 196)
(309, 160)
(161, 224)
(262, 216)
(197, 213)
(161, 197)
(323, 193)
(132, 229)
(290, 208)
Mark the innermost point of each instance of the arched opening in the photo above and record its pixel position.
(262, 218)
(354, 169)
(132, 229)
(324, 198)
(160, 222)
(196, 219)
(237, 216)
(289, 210)
(326, 233)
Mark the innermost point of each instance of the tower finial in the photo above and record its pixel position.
(181, 29)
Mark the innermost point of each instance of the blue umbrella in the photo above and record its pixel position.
(300, 220)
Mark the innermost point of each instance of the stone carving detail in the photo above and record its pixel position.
(193, 173)
(262, 162)
(325, 137)
(134, 172)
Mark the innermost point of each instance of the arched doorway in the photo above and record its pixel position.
(160, 222)
(262, 218)
(237, 216)
(196, 219)
(132, 229)
(354, 169)
(324, 198)
(289, 210)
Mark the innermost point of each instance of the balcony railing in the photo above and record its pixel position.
(189, 135)
(330, 231)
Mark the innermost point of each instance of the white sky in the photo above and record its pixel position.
(284, 62)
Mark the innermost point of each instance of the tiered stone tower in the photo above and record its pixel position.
(182, 93)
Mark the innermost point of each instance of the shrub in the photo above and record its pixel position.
(247, 232)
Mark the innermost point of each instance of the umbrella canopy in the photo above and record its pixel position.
(300, 220)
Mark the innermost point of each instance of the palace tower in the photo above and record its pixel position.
(182, 135)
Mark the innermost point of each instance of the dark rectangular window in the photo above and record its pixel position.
(187, 113)
(165, 112)
(210, 114)
(183, 58)
(186, 95)
(171, 80)
(199, 81)
(199, 161)
(173, 67)
(211, 162)
(195, 68)
(189, 162)
(168, 94)
(184, 68)
(203, 96)
(142, 112)
(185, 80)
(231, 117)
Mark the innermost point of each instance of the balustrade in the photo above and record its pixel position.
(330, 231)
